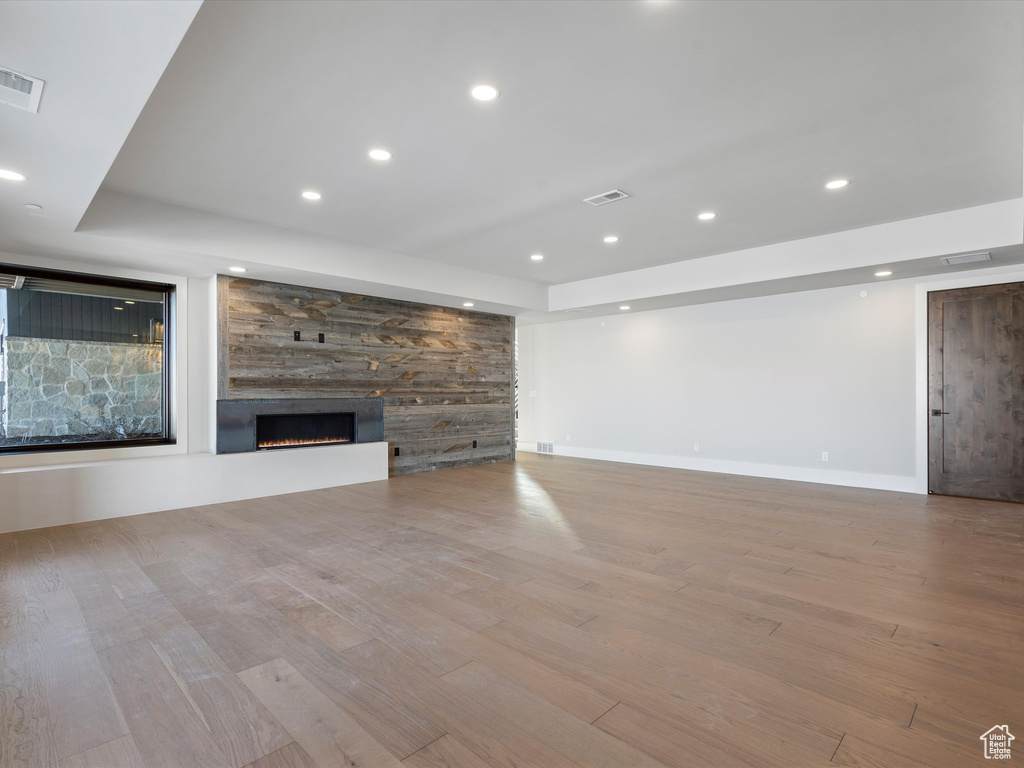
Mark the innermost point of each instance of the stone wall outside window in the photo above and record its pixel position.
(81, 388)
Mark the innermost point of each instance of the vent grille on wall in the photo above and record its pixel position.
(607, 197)
(20, 91)
(543, 447)
(967, 258)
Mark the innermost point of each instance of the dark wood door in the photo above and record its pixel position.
(976, 392)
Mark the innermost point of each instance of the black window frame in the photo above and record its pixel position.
(169, 291)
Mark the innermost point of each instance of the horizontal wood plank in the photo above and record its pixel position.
(554, 611)
(445, 375)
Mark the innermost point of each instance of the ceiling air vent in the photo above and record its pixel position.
(19, 90)
(967, 258)
(607, 197)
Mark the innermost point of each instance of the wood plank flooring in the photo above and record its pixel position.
(550, 612)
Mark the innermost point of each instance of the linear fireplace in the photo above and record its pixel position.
(294, 430)
(258, 425)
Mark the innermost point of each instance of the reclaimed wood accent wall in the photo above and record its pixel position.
(445, 375)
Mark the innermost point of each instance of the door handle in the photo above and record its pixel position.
(937, 412)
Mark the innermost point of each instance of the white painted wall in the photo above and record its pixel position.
(45, 489)
(764, 385)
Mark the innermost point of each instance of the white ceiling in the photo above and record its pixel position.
(741, 108)
(100, 61)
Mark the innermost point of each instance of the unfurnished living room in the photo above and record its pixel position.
(511, 383)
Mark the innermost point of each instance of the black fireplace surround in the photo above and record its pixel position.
(256, 425)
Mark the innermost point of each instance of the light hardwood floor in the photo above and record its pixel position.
(551, 612)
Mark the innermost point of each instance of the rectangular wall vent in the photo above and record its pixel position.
(543, 447)
(967, 258)
(607, 197)
(19, 90)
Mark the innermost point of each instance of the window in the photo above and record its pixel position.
(83, 361)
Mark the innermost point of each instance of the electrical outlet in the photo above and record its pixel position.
(824, 455)
(696, 447)
(567, 438)
(533, 393)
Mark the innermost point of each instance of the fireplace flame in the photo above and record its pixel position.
(293, 442)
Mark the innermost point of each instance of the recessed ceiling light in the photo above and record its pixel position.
(467, 303)
(612, 239)
(707, 215)
(484, 92)
(238, 269)
(380, 154)
(12, 175)
(837, 184)
(624, 306)
(33, 207)
(119, 309)
(883, 273)
(129, 302)
(537, 257)
(309, 194)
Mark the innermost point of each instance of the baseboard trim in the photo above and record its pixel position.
(897, 483)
